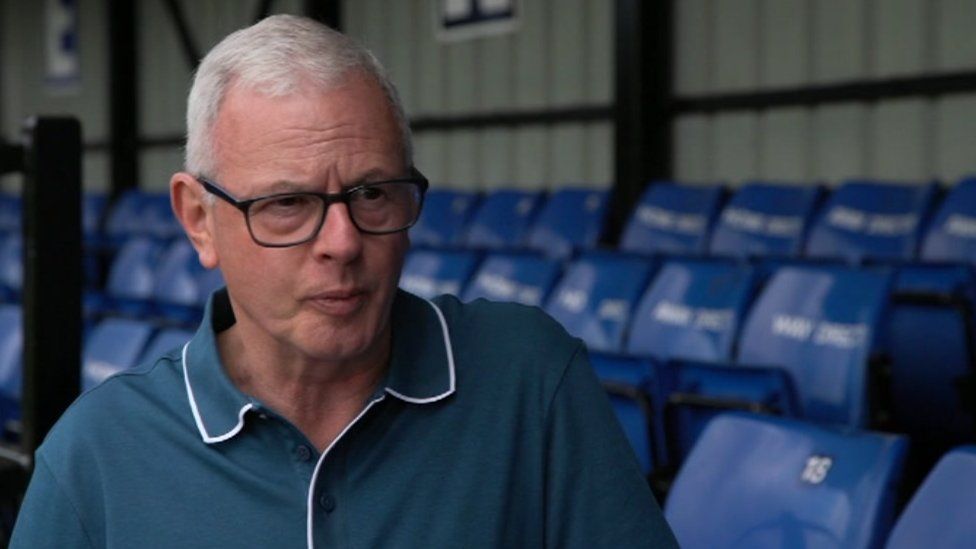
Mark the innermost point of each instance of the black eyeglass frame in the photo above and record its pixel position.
(328, 199)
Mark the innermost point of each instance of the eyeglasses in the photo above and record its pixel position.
(289, 219)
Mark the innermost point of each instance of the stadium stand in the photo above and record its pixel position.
(673, 218)
(115, 344)
(11, 360)
(596, 296)
(444, 218)
(570, 220)
(763, 220)
(430, 273)
(511, 276)
(502, 219)
(871, 221)
(763, 482)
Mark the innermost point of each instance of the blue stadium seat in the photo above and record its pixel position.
(596, 297)
(208, 282)
(444, 218)
(941, 512)
(131, 278)
(951, 237)
(125, 216)
(691, 311)
(763, 482)
(176, 289)
(163, 342)
(92, 209)
(570, 220)
(114, 344)
(821, 326)
(765, 220)
(502, 220)
(158, 219)
(511, 276)
(11, 361)
(429, 273)
(929, 332)
(630, 383)
(805, 350)
(673, 219)
(11, 266)
(871, 221)
(10, 212)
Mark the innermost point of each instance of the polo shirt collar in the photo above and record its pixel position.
(421, 367)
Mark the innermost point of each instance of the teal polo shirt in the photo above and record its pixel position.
(490, 430)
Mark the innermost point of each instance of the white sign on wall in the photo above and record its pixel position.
(466, 19)
(62, 64)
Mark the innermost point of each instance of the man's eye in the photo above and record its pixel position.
(284, 205)
(369, 194)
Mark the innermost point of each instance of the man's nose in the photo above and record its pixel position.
(339, 238)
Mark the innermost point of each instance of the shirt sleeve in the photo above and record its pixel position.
(47, 518)
(596, 495)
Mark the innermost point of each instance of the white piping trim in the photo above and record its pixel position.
(450, 364)
(318, 466)
(196, 411)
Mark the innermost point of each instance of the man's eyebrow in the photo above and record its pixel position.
(370, 176)
(285, 186)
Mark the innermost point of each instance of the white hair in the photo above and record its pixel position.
(274, 57)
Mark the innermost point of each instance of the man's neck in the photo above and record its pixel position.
(320, 398)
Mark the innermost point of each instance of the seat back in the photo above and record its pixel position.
(596, 296)
(765, 482)
(132, 274)
(951, 236)
(12, 264)
(691, 311)
(762, 220)
(673, 219)
(871, 221)
(941, 512)
(444, 217)
(114, 344)
(522, 278)
(502, 219)
(629, 383)
(11, 361)
(820, 325)
(125, 215)
(429, 273)
(570, 220)
(11, 207)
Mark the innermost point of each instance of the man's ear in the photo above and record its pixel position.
(187, 198)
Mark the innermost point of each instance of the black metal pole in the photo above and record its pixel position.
(123, 95)
(643, 60)
(52, 274)
(325, 11)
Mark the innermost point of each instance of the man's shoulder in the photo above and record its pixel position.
(501, 324)
(508, 345)
(118, 407)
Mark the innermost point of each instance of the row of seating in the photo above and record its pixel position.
(859, 221)
(763, 482)
(110, 346)
(677, 339)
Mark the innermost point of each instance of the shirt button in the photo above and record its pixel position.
(327, 502)
(302, 453)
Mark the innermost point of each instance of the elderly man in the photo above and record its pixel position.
(317, 405)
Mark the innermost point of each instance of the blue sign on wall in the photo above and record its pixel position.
(62, 61)
(464, 19)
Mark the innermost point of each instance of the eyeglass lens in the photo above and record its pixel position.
(376, 208)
